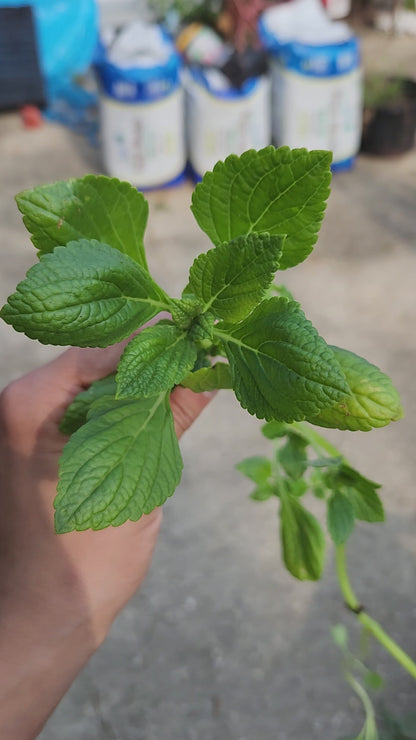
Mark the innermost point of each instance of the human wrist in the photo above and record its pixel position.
(41, 656)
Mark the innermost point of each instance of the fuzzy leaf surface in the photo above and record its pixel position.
(154, 361)
(373, 401)
(121, 464)
(86, 294)
(281, 367)
(76, 413)
(231, 279)
(303, 540)
(184, 310)
(90, 207)
(280, 191)
(209, 378)
(340, 517)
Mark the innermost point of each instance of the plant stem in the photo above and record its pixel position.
(373, 627)
(318, 442)
(390, 645)
(344, 582)
(367, 704)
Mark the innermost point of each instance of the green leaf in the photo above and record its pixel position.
(292, 456)
(201, 330)
(368, 506)
(373, 680)
(318, 483)
(280, 191)
(281, 368)
(318, 490)
(202, 361)
(325, 462)
(274, 429)
(85, 294)
(340, 517)
(231, 279)
(373, 400)
(209, 378)
(303, 540)
(340, 636)
(76, 413)
(91, 207)
(351, 477)
(258, 469)
(296, 487)
(361, 492)
(124, 462)
(184, 310)
(154, 361)
(263, 492)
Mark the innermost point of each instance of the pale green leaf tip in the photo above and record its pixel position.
(304, 575)
(326, 156)
(399, 412)
(19, 197)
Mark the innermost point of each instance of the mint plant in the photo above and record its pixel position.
(92, 287)
(303, 462)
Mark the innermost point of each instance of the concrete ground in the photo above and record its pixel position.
(221, 643)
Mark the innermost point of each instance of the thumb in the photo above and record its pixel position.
(47, 391)
(186, 407)
(78, 367)
(51, 389)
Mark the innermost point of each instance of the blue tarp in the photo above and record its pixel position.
(67, 36)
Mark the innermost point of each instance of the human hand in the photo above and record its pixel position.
(59, 593)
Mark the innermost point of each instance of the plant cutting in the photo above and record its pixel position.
(304, 462)
(231, 328)
(91, 287)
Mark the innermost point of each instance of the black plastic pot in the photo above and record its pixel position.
(390, 128)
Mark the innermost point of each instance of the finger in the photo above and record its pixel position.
(187, 406)
(80, 367)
